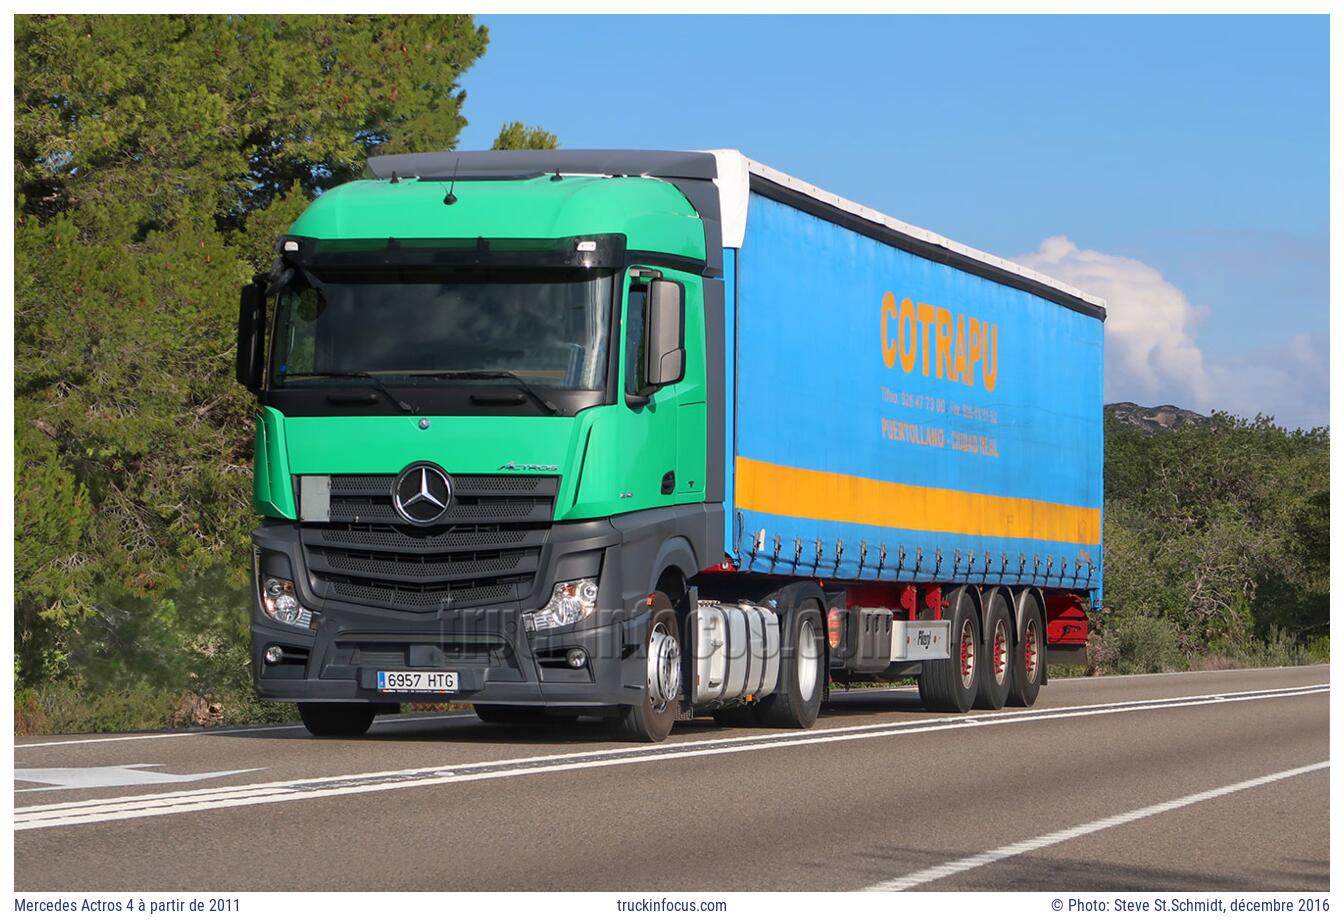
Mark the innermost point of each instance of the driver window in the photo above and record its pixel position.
(635, 316)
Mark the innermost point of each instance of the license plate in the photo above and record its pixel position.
(417, 681)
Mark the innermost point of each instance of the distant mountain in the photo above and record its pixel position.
(1157, 418)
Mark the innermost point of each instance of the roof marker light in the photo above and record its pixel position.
(291, 245)
(587, 246)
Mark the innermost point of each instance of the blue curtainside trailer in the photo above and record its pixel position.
(915, 427)
(901, 416)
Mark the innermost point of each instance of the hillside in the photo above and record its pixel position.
(1156, 418)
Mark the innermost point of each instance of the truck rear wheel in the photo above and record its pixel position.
(996, 675)
(1029, 657)
(653, 717)
(802, 671)
(337, 720)
(949, 684)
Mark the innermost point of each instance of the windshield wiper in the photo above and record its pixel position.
(526, 387)
(360, 375)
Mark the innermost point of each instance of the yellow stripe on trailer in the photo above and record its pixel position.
(788, 491)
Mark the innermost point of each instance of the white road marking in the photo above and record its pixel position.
(935, 873)
(1276, 667)
(288, 726)
(58, 814)
(130, 774)
(910, 688)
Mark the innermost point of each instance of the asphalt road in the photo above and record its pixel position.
(1205, 781)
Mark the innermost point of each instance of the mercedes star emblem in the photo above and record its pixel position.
(421, 493)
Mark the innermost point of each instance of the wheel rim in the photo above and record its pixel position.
(1031, 651)
(967, 655)
(1000, 661)
(808, 669)
(664, 668)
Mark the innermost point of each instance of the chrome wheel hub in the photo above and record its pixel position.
(664, 664)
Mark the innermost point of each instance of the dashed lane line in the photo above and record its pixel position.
(59, 814)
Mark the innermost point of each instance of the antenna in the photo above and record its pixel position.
(450, 198)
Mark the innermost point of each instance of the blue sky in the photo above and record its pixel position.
(1185, 159)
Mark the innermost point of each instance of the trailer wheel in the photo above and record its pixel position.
(337, 720)
(949, 684)
(996, 676)
(802, 671)
(652, 718)
(1029, 657)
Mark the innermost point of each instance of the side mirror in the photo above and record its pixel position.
(251, 326)
(665, 357)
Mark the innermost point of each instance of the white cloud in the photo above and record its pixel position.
(1152, 356)
(1289, 380)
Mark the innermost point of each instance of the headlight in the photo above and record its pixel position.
(279, 602)
(571, 602)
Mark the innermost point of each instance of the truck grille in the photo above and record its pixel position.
(486, 551)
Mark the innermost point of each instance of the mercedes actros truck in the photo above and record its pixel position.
(653, 435)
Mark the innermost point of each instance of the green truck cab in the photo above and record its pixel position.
(481, 442)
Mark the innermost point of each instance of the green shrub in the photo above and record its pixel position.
(54, 709)
(1136, 645)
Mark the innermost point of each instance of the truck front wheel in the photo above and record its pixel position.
(337, 720)
(651, 719)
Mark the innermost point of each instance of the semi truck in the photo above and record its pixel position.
(657, 435)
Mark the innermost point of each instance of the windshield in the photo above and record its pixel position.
(548, 328)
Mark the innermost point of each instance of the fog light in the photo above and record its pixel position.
(576, 657)
(273, 654)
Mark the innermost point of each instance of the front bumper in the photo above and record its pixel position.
(496, 658)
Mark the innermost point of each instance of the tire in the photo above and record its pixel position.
(522, 715)
(337, 720)
(1029, 657)
(949, 684)
(996, 677)
(653, 717)
(802, 671)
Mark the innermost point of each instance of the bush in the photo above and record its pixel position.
(1136, 645)
(53, 709)
(1279, 650)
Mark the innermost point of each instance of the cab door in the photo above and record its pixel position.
(659, 469)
